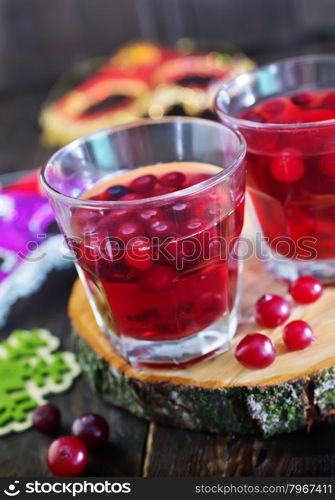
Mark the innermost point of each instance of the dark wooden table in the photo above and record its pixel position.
(136, 447)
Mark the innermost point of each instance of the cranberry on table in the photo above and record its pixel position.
(156, 279)
(143, 184)
(115, 192)
(286, 167)
(306, 289)
(272, 310)
(173, 179)
(298, 335)
(92, 430)
(255, 351)
(46, 419)
(138, 254)
(67, 457)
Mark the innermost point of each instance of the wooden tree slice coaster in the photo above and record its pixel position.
(220, 395)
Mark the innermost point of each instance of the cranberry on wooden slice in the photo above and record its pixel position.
(156, 279)
(255, 351)
(67, 457)
(92, 430)
(287, 166)
(46, 419)
(298, 335)
(306, 289)
(272, 310)
(143, 184)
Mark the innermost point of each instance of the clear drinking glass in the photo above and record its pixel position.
(290, 160)
(160, 278)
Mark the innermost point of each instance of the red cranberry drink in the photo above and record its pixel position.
(155, 245)
(286, 112)
(163, 270)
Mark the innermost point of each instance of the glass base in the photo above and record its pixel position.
(281, 267)
(214, 339)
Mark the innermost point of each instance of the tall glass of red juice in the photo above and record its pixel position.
(152, 212)
(286, 112)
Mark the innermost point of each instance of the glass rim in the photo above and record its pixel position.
(233, 165)
(241, 122)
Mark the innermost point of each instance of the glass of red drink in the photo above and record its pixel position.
(286, 112)
(152, 212)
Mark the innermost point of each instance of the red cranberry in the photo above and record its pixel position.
(92, 430)
(209, 308)
(129, 230)
(306, 289)
(274, 107)
(46, 419)
(298, 334)
(254, 116)
(213, 213)
(67, 457)
(148, 215)
(173, 179)
(177, 252)
(327, 164)
(196, 179)
(115, 192)
(143, 184)
(162, 228)
(287, 168)
(179, 211)
(302, 99)
(118, 215)
(329, 101)
(193, 226)
(131, 197)
(272, 310)
(255, 351)
(138, 254)
(156, 279)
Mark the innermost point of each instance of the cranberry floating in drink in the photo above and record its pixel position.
(154, 238)
(286, 111)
